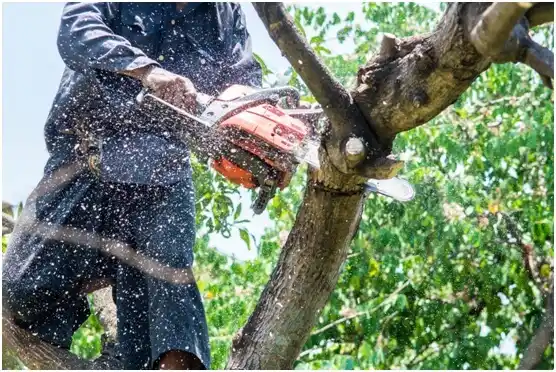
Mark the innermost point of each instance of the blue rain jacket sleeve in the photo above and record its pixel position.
(86, 40)
(206, 42)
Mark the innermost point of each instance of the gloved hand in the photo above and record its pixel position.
(174, 89)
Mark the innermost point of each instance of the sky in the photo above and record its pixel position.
(31, 70)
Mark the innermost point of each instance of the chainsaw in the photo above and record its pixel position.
(251, 140)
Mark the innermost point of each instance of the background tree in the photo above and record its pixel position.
(442, 282)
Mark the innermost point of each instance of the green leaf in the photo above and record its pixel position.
(316, 40)
(237, 212)
(264, 68)
(401, 302)
(298, 24)
(244, 234)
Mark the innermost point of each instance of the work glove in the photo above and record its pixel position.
(172, 88)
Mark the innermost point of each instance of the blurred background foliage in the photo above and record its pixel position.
(437, 283)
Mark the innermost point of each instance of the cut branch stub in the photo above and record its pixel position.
(388, 47)
(354, 150)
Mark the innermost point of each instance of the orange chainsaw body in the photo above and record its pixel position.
(264, 131)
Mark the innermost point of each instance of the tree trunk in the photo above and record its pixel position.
(304, 278)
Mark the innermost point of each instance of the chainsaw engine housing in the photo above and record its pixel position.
(268, 134)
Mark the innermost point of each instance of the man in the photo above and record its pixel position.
(116, 203)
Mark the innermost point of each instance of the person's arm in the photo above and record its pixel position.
(86, 42)
(249, 70)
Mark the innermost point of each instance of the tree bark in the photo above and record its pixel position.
(304, 278)
(412, 82)
(544, 336)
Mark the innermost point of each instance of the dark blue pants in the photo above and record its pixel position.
(138, 237)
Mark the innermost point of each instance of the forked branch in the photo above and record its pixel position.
(540, 14)
(346, 120)
(502, 35)
(494, 27)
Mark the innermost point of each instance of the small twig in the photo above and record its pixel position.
(352, 255)
(528, 252)
(495, 26)
(366, 312)
(222, 338)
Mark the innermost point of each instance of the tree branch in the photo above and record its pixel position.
(540, 14)
(37, 354)
(366, 312)
(543, 337)
(428, 73)
(495, 26)
(502, 34)
(527, 252)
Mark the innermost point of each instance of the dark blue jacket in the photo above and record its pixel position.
(205, 42)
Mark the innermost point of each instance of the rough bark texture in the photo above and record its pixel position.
(305, 276)
(425, 75)
(36, 354)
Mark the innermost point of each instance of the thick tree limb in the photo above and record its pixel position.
(540, 14)
(495, 26)
(502, 35)
(428, 73)
(345, 118)
(304, 277)
(543, 337)
(37, 354)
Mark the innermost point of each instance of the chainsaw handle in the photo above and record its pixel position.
(141, 96)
